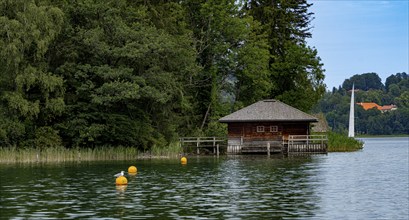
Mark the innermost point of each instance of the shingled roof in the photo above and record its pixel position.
(268, 110)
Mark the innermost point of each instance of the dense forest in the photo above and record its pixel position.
(369, 88)
(87, 73)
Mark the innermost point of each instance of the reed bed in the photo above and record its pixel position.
(173, 150)
(62, 154)
(341, 143)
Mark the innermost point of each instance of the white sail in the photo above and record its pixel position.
(351, 129)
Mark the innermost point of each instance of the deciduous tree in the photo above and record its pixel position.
(31, 96)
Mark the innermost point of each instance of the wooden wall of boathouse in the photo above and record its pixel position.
(249, 133)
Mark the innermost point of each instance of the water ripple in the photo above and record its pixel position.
(360, 185)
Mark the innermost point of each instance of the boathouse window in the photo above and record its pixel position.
(273, 128)
(260, 128)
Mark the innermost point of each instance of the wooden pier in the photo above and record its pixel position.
(294, 143)
(214, 143)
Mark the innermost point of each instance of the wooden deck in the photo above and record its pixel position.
(295, 143)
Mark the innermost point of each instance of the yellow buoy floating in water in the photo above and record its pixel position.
(121, 180)
(132, 170)
(183, 160)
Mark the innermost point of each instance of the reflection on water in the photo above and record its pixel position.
(302, 186)
(121, 189)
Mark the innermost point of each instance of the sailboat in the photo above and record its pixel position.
(351, 129)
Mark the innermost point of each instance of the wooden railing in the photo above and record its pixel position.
(295, 143)
(306, 143)
(204, 142)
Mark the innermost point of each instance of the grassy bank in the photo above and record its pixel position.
(61, 154)
(342, 143)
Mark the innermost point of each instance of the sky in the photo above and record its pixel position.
(360, 36)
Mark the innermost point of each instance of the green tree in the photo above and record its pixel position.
(125, 77)
(395, 79)
(141, 73)
(394, 90)
(233, 54)
(364, 81)
(31, 96)
(404, 84)
(372, 96)
(295, 68)
(403, 100)
(299, 77)
(252, 70)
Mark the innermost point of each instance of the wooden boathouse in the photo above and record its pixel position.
(270, 126)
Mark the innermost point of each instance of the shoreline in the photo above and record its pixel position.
(11, 155)
(382, 136)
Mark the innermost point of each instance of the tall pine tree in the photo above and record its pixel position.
(296, 70)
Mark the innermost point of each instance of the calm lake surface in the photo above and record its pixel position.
(368, 184)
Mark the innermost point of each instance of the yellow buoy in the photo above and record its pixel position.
(132, 169)
(121, 180)
(183, 160)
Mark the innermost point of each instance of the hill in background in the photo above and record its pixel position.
(369, 89)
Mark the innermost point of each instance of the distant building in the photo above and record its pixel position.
(387, 108)
(370, 105)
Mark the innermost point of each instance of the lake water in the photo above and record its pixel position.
(368, 184)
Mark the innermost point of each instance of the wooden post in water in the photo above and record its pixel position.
(322, 141)
(268, 148)
(214, 145)
(307, 141)
(197, 146)
(217, 149)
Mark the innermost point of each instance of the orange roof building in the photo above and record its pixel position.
(369, 105)
(386, 108)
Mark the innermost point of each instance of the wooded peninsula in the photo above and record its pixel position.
(120, 73)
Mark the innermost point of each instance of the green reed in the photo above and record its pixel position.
(341, 143)
(62, 154)
(172, 150)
